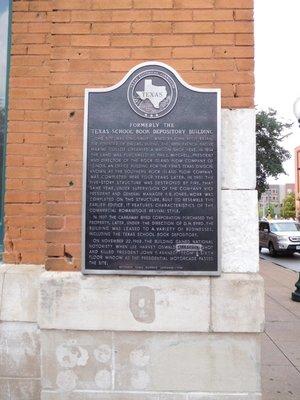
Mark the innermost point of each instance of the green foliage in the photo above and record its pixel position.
(270, 211)
(289, 206)
(269, 153)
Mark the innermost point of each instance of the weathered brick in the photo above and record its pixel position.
(172, 15)
(62, 237)
(60, 264)
(194, 4)
(55, 195)
(33, 234)
(110, 53)
(214, 39)
(55, 250)
(108, 27)
(91, 16)
(34, 93)
(14, 196)
(152, 4)
(26, 104)
(39, 49)
(60, 40)
(234, 52)
(234, 27)
(19, 27)
(41, 115)
(34, 257)
(73, 196)
(13, 233)
(234, 4)
(63, 208)
(197, 77)
(20, 6)
(73, 223)
(212, 15)
(89, 65)
(71, 4)
(41, 27)
(33, 161)
(89, 40)
(70, 78)
(14, 172)
(151, 27)
(24, 209)
(173, 40)
(28, 82)
(245, 90)
(59, 16)
(28, 38)
(214, 65)
(245, 64)
(151, 53)
(66, 53)
(60, 66)
(29, 245)
(29, 16)
(234, 77)
(108, 4)
(18, 49)
(131, 15)
(246, 15)
(193, 27)
(67, 28)
(244, 39)
(40, 5)
(192, 52)
(28, 60)
(55, 223)
(131, 41)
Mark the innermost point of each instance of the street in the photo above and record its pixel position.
(290, 262)
(280, 340)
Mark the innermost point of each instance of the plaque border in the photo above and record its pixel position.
(86, 271)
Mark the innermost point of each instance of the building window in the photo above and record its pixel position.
(5, 10)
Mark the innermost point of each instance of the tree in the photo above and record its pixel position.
(269, 153)
(270, 211)
(289, 206)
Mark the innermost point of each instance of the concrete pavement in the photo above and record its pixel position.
(287, 261)
(281, 339)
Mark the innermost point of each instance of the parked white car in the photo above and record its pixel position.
(279, 236)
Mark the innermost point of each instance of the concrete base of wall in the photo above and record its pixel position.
(84, 339)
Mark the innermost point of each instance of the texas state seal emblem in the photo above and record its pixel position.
(152, 93)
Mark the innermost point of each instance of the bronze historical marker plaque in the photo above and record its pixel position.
(151, 176)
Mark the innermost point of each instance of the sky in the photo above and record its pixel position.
(277, 66)
(3, 45)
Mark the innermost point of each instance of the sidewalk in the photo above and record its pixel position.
(281, 339)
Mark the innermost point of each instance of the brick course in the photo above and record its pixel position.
(59, 47)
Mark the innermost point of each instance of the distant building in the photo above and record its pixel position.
(289, 188)
(274, 197)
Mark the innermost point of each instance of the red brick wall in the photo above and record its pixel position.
(60, 47)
